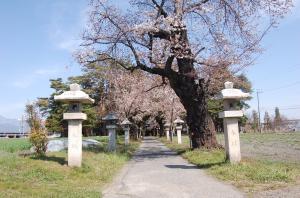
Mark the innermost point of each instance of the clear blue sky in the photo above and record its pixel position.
(37, 39)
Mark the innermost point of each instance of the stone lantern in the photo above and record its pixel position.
(126, 126)
(178, 125)
(167, 130)
(111, 125)
(231, 98)
(75, 98)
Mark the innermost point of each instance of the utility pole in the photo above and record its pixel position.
(258, 109)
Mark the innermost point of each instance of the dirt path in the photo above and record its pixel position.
(156, 171)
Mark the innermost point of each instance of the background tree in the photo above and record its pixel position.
(277, 119)
(52, 110)
(142, 98)
(178, 40)
(218, 76)
(267, 122)
(254, 123)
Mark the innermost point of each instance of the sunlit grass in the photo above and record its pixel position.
(12, 144)
(51, 177)
(250, 175)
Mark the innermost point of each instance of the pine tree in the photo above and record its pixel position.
(277, 119)
(254, 120)
(267, 122)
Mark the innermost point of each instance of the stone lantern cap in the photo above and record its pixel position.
(167, 125)
(110, 117)
(125, 122)
(178, 121)
(230, 93)
(74, 95)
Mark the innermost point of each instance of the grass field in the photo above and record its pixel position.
(51, 177)
(259, 170)
(14, 145)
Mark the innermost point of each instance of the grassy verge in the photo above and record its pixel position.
(251, 175)
(14, 145)
(51, 177)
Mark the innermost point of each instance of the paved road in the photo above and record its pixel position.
(157, 172)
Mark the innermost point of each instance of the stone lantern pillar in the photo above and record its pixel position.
(126, 126)
(167, 130)
(75, 98)
(178, 124)
(231, 98)
(111, 125)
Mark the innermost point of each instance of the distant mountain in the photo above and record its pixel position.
(11, 125)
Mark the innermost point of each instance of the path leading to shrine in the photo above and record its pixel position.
(156, 171)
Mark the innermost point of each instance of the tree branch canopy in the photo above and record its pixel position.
(204, 32)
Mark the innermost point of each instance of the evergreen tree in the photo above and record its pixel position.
(52, 110)
(267, 121)
(277, 119)
(254, 120)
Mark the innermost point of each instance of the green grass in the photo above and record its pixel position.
(250, 175)
(50, 176)
(14, 145)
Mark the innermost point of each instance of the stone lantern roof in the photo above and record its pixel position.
(178, 121)
(167, 124)
(126, 122)
(110, 116)
(74, 95)
(230, 93)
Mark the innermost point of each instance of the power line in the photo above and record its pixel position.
(282, 108)
(282, 87)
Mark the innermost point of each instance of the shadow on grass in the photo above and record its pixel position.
(197, 166)
(181, 151)
(208, 165)
(121, 149)
(60, 160)
(96, 149)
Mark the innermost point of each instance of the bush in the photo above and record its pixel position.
(39, 140)
(38, 136)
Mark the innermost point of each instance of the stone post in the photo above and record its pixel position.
(178, 124)
(126, 127)
(127, 139)
(74, 142)
(112, 137)
(167, 130)
(232, 139)
(231, 114)
(111, 125)
(178, 129)
(168, 134)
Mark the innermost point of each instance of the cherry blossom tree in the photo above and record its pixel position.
(178, 40)
(138, 94)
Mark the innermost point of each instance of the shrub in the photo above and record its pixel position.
(39, 140)
(38, 135)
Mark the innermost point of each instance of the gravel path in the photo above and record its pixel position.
(156, 171)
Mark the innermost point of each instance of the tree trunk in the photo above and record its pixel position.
(193, 96)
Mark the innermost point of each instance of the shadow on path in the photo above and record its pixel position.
(182, 166)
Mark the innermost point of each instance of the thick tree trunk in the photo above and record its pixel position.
(193, 96)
